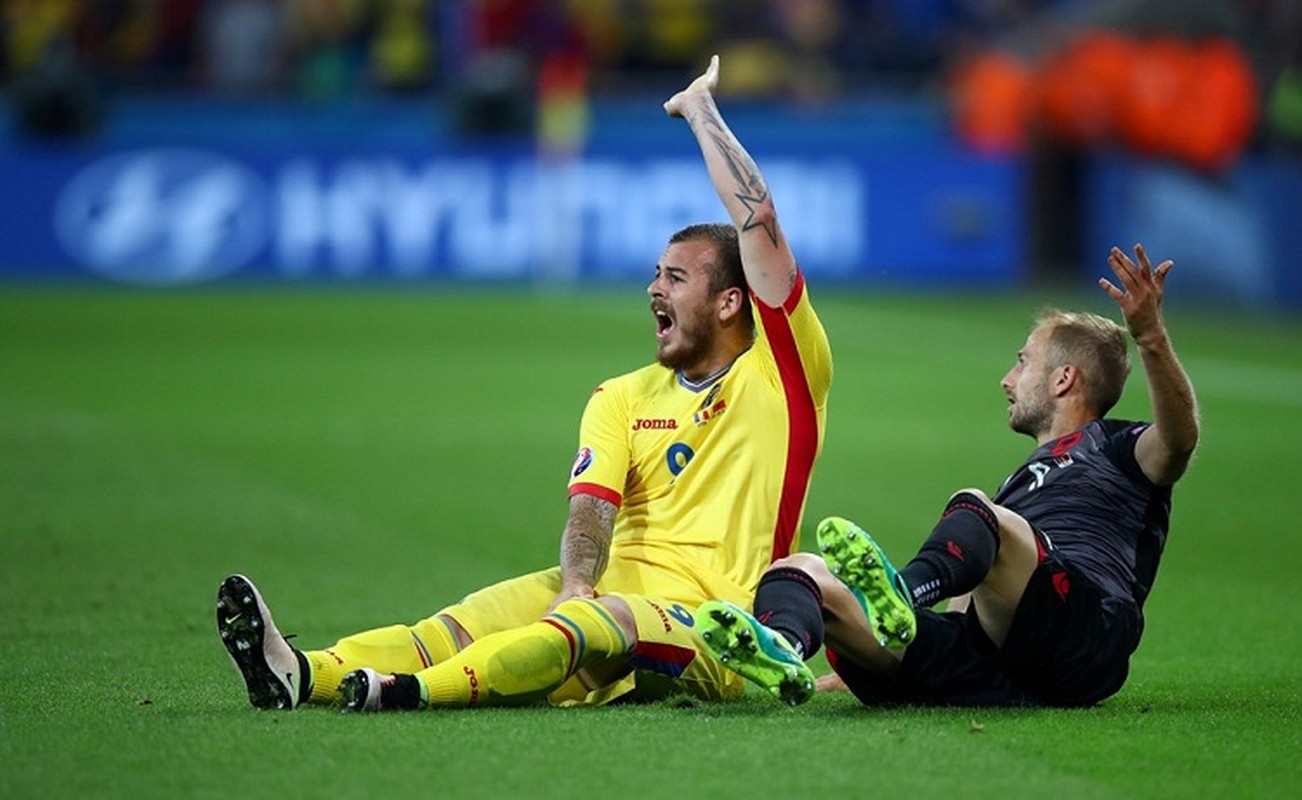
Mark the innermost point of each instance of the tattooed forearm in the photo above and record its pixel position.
(585, 544)
(736, 162)
(751, 192)
(770, 267)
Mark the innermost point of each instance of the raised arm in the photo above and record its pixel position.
(767, 259)
(1164, 450)
(585, 545)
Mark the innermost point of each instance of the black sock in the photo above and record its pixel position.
(789, 602)
(305, 673)
(958, 554)
(403, 693)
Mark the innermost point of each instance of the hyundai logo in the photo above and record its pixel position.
(163, 216)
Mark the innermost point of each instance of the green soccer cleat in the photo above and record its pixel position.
(745, 646)
(859, 562)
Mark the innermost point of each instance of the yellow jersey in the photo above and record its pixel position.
(710, 477)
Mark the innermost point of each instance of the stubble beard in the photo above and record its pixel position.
(1033, 413)
(695, 342)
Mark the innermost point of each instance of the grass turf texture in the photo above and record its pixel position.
(368, 456)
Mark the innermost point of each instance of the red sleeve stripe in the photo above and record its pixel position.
(793, 299)
(598, 491)
(802, 420)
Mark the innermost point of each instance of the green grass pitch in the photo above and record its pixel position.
(370, 455)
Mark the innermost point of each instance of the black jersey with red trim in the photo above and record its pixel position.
(1087, 494)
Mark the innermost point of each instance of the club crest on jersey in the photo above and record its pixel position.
(706, 414)
(712, 395)
(1062, 449)
(712, 406)
(1066, 443)
(581, 462)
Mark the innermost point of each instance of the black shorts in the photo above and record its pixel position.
(1069, 645)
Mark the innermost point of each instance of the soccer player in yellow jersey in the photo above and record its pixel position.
(690, 479)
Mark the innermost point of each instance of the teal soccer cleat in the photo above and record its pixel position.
(760, 655)
(859, 562)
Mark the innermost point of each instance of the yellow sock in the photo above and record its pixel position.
(526, 663)
(391, 649)
(435, 637)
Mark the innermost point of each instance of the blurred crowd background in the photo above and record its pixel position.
(1175, 121)
(1006, 68)
(324, 49)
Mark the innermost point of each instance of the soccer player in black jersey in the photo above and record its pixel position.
(1046, 580)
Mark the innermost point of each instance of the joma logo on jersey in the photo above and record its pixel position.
(655, 424)
(664, 618)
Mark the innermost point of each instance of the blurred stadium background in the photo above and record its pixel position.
(951, 143)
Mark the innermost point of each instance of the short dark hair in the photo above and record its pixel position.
(727, 271)
(1096, 345)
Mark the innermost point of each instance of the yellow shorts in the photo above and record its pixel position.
(668, 658)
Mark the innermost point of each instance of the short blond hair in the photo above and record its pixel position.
(1097, 347)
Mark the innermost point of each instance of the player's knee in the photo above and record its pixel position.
(1010, 529)
(623, 616)
(811, 565)
(595, 629)
(801, 561)
(973, 494)
(978, 504)
(981, 503)
(460, 636)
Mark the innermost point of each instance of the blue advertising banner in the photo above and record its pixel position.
(1235, 238)
(180, 215)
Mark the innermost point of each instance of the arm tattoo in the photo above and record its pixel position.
(752, 192)
(585, 545)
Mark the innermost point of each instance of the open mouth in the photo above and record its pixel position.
(664, 323)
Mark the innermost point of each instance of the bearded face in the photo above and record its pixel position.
(683, 305)
(1030, 401)
(1030, 409)
(684, 337)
